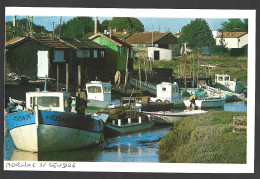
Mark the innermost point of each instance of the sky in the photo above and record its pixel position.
(162, 24)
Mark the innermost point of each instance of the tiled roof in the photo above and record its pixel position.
(14, 40)
(120, 35)
(231, 34)
(145, 37)
(80, 43)
(51, 42)
(113, 39)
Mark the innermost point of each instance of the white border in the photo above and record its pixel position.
(170, 13)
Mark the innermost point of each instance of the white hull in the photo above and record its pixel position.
(52, 138)
(170, 117)
(207, 103)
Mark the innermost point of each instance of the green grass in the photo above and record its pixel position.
(205, 138)
(236, 67)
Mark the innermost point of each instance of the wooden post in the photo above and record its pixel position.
(193, 73)
(79, 75)
(67, 77)
(198, 71)
(140, 78)
(58, 78)
(60, 26)
(126, 70)
(146, 78)
(205, 69)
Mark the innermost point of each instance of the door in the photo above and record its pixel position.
(156, 55)
(43, 64)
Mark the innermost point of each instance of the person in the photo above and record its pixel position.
(81, 101)
(117, 79)
(193, 97)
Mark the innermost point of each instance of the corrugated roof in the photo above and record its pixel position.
(14, 40)
(145, 37)
(231, 34)
(113, 39)
(51, 42)
(81, 43)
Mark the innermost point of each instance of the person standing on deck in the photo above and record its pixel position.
(81, 101)
(193, 97)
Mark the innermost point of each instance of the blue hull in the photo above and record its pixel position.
(54, 131)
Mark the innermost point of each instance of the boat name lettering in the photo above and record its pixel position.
(22, 117)
(58, 118)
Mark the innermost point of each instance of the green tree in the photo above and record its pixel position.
(125, 23)
(197, 33)
(234, 25)
(105, 25)
(78, 27)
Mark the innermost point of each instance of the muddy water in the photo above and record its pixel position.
(136, 147)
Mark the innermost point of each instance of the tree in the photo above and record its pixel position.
(234, 25)
(125, 23)
(105, 25)
(197, 33)
(77, 27)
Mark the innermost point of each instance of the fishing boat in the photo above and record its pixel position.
(129, 125)
(99, 95)
(207, 102)
(223, 82)
(47, 124)
(170, 117)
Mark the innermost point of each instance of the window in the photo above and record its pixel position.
(58, 55)
(94, 89)
(108, 90)
(105, 89)
(83, 53)
(95, 53)
(102, 53)
(163, 89)
(45, 101)
(131, 53)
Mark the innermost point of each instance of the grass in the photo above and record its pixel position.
(236, 67)
(205, 138)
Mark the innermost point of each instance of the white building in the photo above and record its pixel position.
(215, 33)
(233, 39)
(159, 53)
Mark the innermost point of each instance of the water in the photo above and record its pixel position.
(136, 147)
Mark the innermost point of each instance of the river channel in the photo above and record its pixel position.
(136, 147)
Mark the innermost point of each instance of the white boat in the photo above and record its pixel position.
(170, 117)
(208, 102)
(223, 82)
(99, 95)
(47, 124)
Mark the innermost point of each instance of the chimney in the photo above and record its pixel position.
(95, 28)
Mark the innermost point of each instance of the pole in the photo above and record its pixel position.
(53, 29)
(146, 79)
(140, 77)
(193, 73)
(95, 30)
(185, 67)
(126, 69)
(67, 77)
(198, 71)
(58, 78)
(79, 75)
(152, 35)
(60, 26)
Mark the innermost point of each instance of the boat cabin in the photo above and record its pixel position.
(167, 91)
(220, 78)
(98, 90)
(45, 100)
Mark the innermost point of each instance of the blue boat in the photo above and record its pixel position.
(46, 124)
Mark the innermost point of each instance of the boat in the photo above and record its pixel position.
(99, 95)
(230, 96)
(47, 124)
(129, 125)
(170, 117)
(207, 102)
(223, 82)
